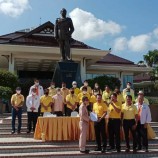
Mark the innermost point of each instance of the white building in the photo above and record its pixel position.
(30, 53)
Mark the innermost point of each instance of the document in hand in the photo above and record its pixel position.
(93, 116)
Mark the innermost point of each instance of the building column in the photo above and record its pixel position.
(11, 63)
(83, 69)
(121, 79)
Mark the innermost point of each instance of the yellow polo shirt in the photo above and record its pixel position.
(129, 111)
(99, 108)
(17, 99)
(81, 95)
(106, 96)
(72, 99)
(89, 89)
(64, 93)
(112, 111)
(77, 91)
(93, 99)
(120, 98)
(46, 100)
(52, 91)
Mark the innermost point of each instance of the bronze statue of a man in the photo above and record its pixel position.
(62, 32)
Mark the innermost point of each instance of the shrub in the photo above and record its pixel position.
(5, 92)
(112, 82)
(7, 79)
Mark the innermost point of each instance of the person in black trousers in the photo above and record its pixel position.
(100, 109)
(129, 115)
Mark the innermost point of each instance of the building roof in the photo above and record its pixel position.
(113, 59)
(43, 35)
(40, 36)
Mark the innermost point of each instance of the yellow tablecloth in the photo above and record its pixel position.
(60, 128)
(67, 128)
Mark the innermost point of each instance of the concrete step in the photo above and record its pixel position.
(52, 148)
(24, 124)
(76, 154)
(8, 129)
(22, 134)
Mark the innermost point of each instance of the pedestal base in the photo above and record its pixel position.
(67, 72)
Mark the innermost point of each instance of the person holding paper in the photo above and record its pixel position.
(83, 124)
(100, 109)
(114, 122)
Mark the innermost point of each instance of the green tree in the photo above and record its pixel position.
(112, 82)
(8, 79)
(151, 58)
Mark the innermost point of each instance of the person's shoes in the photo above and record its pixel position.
(18, 132)
(134, 150)
(118, 150)
(127, 150)
(111, 149)
(97, 149)
(28, 131)
(12, 132)
(139, 148)
(103, 150)
(85, 151)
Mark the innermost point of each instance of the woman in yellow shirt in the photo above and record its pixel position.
(129, 115)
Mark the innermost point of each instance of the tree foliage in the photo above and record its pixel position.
(8, 79)
(112, 82)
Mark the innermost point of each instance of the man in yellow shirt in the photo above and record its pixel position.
(89, 89)
(100, 109)
(17, 101)
(129, 114)
(86, 94)
(76, 89)
(46, 102)
(72, 102)
(93, 98)
(52, 89)
(106, 94)
(64, 93)
(114, 122)
(128, 91)
(119, 95)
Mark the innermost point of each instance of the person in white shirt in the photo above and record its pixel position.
(39, 91)
(144, 117)
(32, 103)
(38, 87)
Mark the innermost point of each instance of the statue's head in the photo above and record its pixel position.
(63, 12)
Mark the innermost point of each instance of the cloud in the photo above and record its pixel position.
(134, 43)
(88, 27)
(155, 32)
(139, 43)
(14, 8)
(120, 44)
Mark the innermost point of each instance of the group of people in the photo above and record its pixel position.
(121, 109)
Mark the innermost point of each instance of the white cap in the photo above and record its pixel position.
(74, 82)
(141, 92)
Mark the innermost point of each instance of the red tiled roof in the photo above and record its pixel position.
(36, 38)
(113, 59)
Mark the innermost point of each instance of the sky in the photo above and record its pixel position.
(128, 27)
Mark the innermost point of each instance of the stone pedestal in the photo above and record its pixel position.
(67, 72)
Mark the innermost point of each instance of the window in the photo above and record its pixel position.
(127, 78)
